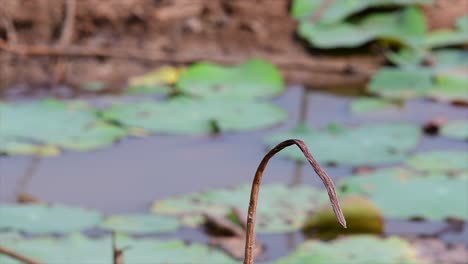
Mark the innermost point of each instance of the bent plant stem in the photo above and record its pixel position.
(15, 255)
(327, 181)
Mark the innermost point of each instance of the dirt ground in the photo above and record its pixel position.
(51, 43)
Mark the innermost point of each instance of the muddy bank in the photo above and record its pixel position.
(44, 43)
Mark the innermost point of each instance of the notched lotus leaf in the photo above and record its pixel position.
(336, 11)
(406, 28)
(140, 223)
(457, 129)
(363, 249)
(252, 79)
(42, 219)
(49, 124)
(361, 145)
(440, 161)
(77, 248)
(278, 211)
(183, 115)
(405, 194)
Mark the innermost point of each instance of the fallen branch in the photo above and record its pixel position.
(17, 256)
(286, 61)
(327, 181)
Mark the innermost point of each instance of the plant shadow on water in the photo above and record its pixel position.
(130, 175)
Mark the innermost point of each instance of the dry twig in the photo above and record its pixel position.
(327, 181)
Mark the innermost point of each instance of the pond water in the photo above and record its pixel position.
(130, 175)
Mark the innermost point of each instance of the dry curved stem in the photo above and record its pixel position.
(17, 256)
(327, 181)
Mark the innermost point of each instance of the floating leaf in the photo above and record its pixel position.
(15, 147)
(362, 217)
(252, 79)
(447, 37)
(362, 145)
(457, 129)
(406, 27)
(51, 122)
(444, 81)
(39, 218)
(80, 249)
(363, 249)
(189, 116)
(339, 10)
(398, 83)
(450, 88)
(369, 104)
(279, 211)
(141, 223)
(155, 82)
(405, 194)
(448, 161)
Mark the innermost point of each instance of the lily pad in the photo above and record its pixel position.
(370, 105)
(40, 219)
(399, 83)
(141, 223)
(442, 161)
(403, 194)
(189, 116)
(50, 122)
(16, 147)
(339, 10)
(445, 81)
(447, 37)
(252, 79)
(406, 27)
(450, 88)
(363, 249)
(362, 145)
(457, 129)
(80, 249)
(278, 210)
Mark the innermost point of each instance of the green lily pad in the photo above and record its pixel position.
(447, 37)
(16, 147)
(278, 210)
(80, 249)
(189, 116)
(445, 81)
(450, 88)
(363, 249)
(440, 161)
(403, 194)
(339, 10)
(406, 27)
(252, 79)
(369, 105)
(39, 219)
(362, 145)
(398, 83)
(141, 223)
(457, 129)
(50, 122)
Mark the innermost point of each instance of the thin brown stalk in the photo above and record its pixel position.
(18, 256)
(68, 24)
(327, 181)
